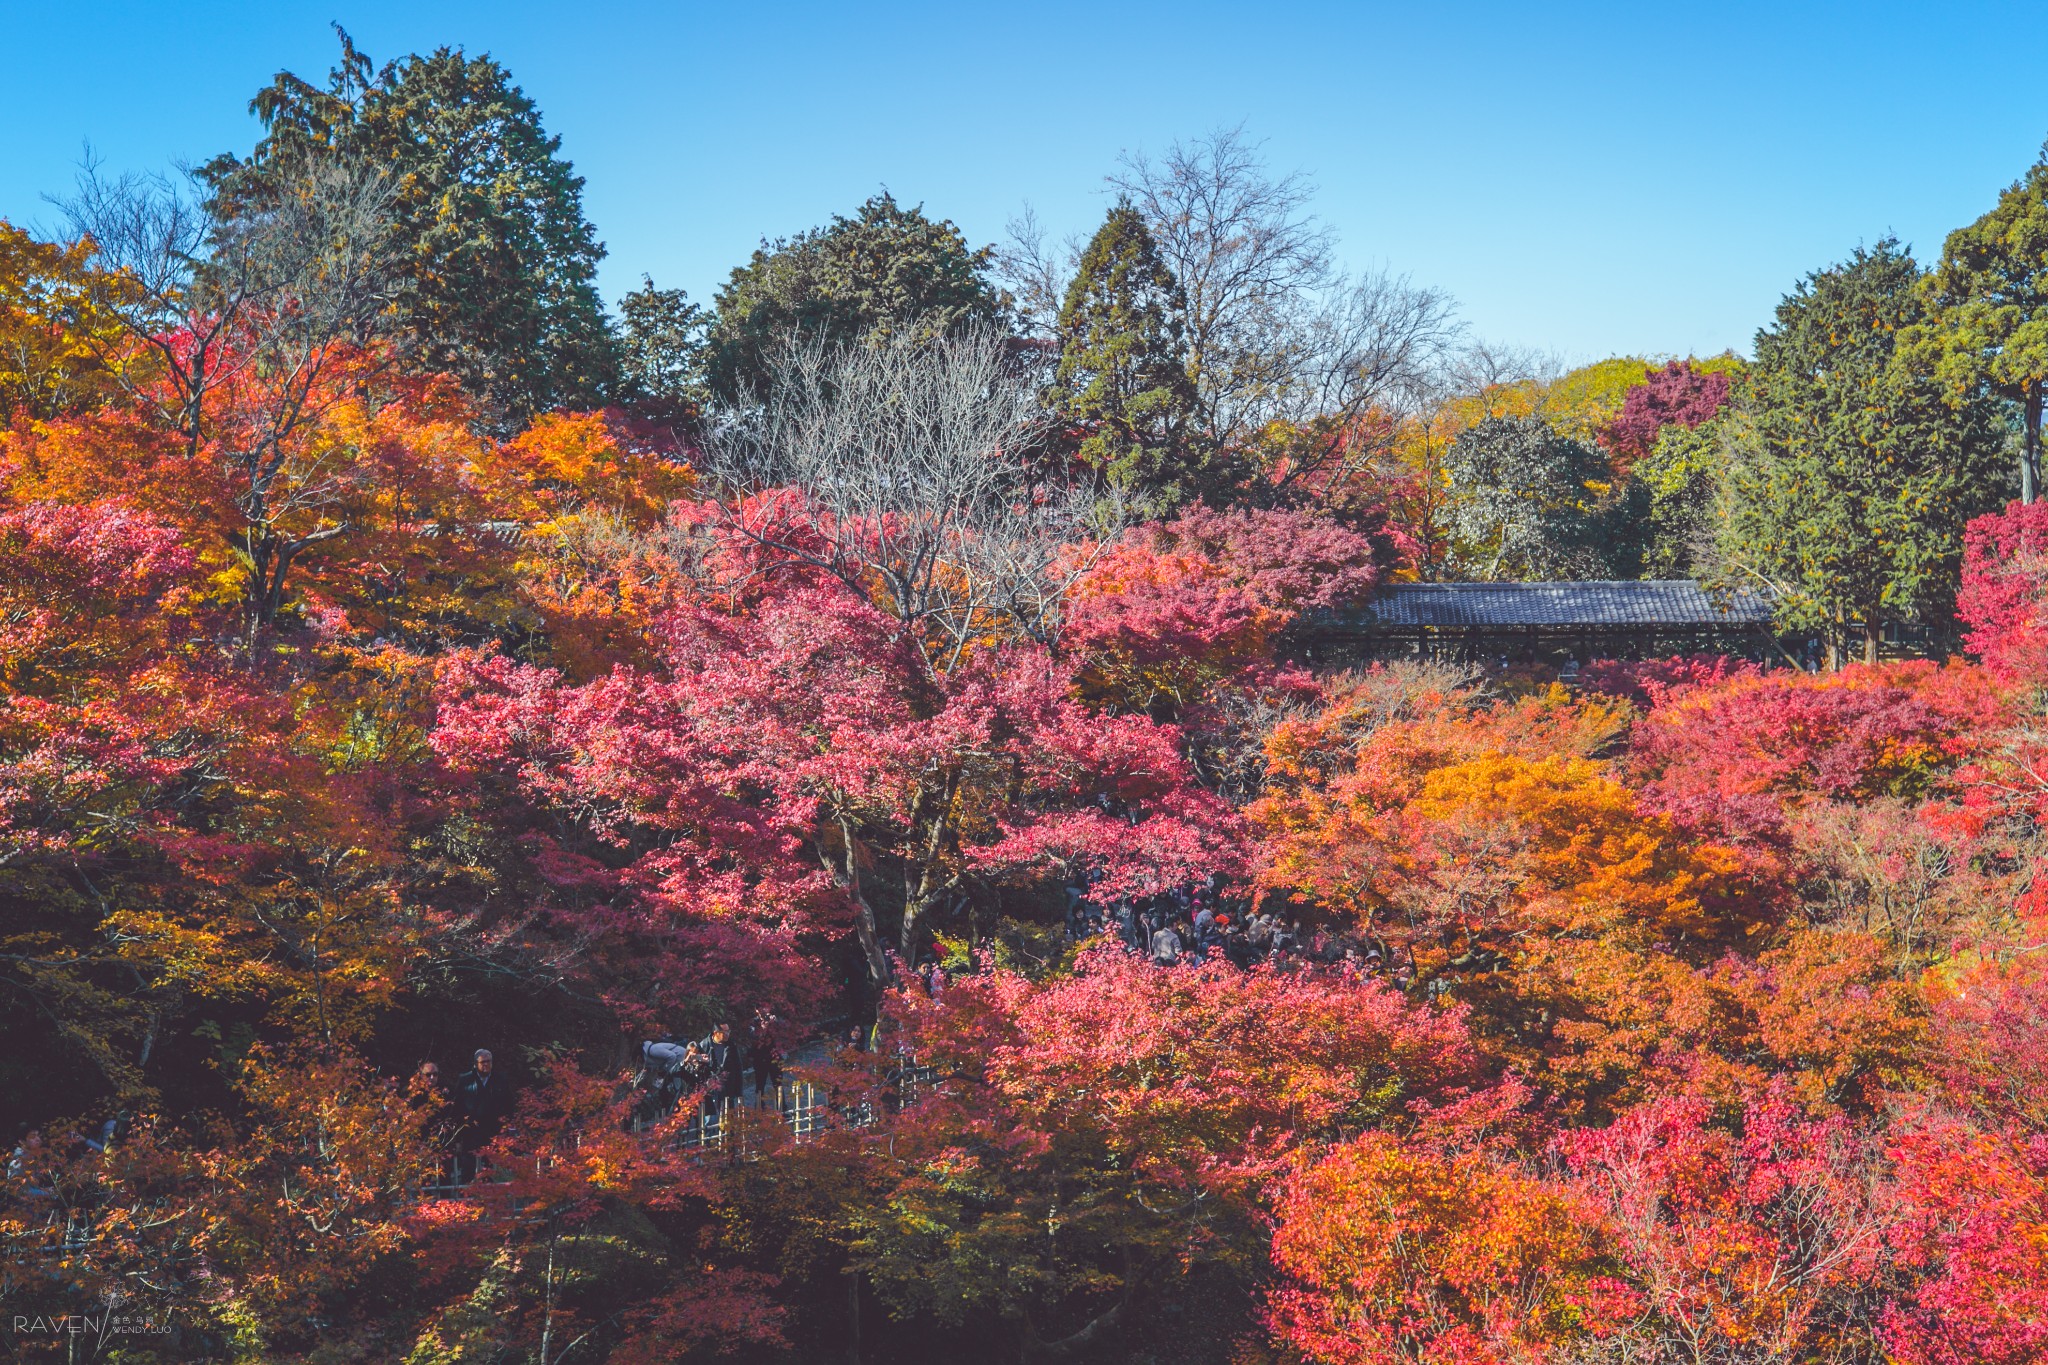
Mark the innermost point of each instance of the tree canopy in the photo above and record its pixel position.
(1989, 293)
(1122, 377)
(1534, 503)
(500, 263)
(886, 851)
(887, 272)
(1857, 471)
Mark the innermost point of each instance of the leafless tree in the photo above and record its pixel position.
(1275, 331)
(1374, 357)
(1249, 258)
(1479, 366)
(1381, 341)
(246, 313)
(150, 239)
(901, 469)
(1036, 271)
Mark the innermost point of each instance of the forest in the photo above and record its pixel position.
(837, 771)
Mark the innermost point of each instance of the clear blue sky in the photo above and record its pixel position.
(1592, 179)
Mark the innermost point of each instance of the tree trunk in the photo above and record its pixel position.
(1873, 634)
(870, 937)
(921, 896)
(1033, 1347)
(2030, 445)
(853, 1318)
(916, 908)
(865, 927)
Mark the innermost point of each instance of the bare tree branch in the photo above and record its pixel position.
(249, 308)
(1250, 261)
(902, 470)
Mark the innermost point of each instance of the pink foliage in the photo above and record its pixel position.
(59, 765)
(1762, 1239)
(72, 572)
(1198, 1078)
(1677, 395)
(1288, 561)
(1213, 587)
(1973, 1236)
(718, 1311)
(1152, 607)
(765, 542)
(2005, 577)
(708, 794)
(1991, 1048)
(87, 593)
(1730, 758)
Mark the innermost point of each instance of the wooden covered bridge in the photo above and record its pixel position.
(1541, 622)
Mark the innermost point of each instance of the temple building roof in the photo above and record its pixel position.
(1560, 606)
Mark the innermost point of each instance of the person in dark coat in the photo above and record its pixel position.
(434, 1112)
(663, 1078)
(728, 1063)
(696, 1068)
(767, 1062)
(483, 1101)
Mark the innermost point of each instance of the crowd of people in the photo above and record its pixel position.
(1197, 925)
(715, 1066)
(713, 1070)
(1188, 926)
(465, 1118)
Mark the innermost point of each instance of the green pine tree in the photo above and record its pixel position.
(1122, 377)
(887, 272)
(1854, 470)
(661, 355)
(500, 263)
(1990, 296)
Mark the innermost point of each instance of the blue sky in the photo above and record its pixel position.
(1588, 179)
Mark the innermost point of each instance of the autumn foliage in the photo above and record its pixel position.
(1692, 1011)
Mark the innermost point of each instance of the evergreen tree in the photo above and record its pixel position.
(1990, 294)
(884, 273)
(1122, 376)
(500, 263)
(661, 355)
(1849, 487)
(1679, 478)
(1529, 502)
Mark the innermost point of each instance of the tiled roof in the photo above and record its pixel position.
(1679, 602)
